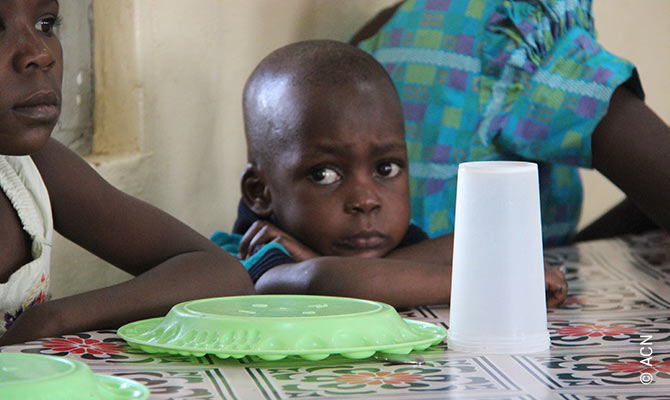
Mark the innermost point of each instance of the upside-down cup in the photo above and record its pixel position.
(498, 302)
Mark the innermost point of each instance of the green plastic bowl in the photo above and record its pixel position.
(275, 326)
(33, 376)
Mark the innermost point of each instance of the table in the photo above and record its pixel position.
(611, 339)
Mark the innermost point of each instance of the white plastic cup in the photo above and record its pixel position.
(498, 302)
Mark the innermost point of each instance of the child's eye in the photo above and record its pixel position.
(388, 169)
(47, 25)
(324, 176)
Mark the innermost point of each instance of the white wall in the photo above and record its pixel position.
(168, 83)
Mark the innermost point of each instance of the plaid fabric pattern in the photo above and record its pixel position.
(498, 80)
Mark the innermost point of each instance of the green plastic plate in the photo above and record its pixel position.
(34, 376)
(273, 327)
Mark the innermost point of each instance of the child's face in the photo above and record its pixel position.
(31, 70)
(342, 186)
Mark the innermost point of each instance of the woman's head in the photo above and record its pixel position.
(31, 71)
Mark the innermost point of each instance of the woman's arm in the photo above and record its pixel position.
(624, 218)
(373, 26)
(173, 263)
(630, 147)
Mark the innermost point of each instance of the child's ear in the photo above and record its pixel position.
(255, 192)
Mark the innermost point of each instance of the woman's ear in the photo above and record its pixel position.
(255, 192)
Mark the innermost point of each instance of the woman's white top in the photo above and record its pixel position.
(29, 285)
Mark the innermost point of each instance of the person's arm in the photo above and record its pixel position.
(373, 26)
(438, 250)
(623, 218)
(400, 283)
(414, 275)
(173, 263)
(411, 276)
(630, 147)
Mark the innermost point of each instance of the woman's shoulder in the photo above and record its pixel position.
(14, 242)
(26, 230)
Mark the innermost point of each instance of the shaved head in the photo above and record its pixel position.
(274, 99)
(326, 149)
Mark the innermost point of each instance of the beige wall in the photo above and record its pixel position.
(169, 76)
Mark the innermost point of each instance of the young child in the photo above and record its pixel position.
(45, 185)
(325, 196)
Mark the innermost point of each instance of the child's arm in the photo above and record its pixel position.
(401, 283)
(396, 282)
(440, 250)
(405, 278)
(173, 262)
(413, 275)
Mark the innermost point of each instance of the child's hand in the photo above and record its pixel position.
(555, 285)
(263, 232)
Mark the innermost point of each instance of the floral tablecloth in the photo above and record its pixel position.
(610, 340)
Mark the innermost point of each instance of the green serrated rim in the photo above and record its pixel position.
(434, 335)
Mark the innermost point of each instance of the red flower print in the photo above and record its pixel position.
(76, 345)
(40, 298)
(636, 366)
(379, 378)
(596, 330)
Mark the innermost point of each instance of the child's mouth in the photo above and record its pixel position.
(364, 240)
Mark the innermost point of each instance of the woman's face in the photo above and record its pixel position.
(31, 71)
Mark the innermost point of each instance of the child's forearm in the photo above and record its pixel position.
(184, 277)
(432, 251)
(401, 283)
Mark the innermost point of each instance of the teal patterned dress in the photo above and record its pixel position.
(499, 80)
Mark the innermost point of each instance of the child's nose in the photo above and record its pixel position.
(363, 200)
(32, 51)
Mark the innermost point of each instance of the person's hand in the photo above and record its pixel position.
(555, 285)
(263, 232)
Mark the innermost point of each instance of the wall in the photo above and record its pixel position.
(75, 126)
(169, 76)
